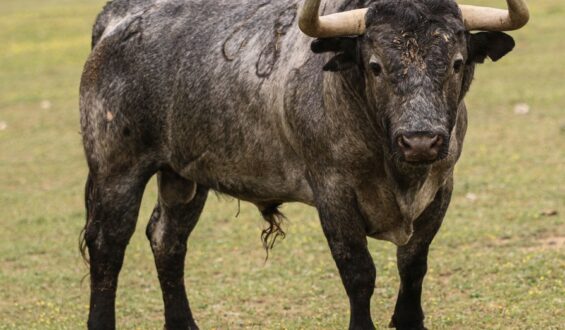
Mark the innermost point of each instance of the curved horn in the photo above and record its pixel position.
(492, 19)
(346, 23)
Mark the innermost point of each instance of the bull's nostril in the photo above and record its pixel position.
(436, 141)
(403, 142)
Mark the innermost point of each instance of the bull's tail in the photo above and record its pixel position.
(88, 191)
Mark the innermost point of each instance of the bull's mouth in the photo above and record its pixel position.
(418, 163)
(426, 160)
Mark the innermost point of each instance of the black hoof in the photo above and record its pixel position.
(406, 326)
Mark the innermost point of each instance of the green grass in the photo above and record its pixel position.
(497, 263)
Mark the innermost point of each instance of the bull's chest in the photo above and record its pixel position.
(390, 212)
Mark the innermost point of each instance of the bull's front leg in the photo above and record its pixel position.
(344, 230)
(412, 261)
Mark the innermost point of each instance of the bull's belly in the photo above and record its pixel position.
(251, 182)
(387, 213)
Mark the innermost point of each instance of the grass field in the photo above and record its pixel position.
(498, 262)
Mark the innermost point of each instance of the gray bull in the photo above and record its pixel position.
(230, 95)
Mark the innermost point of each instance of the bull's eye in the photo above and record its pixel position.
(457, 65)
(375, 66)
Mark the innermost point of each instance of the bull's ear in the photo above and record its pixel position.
(492, 44)
(340, 62)
(346, 49)
(340, 44)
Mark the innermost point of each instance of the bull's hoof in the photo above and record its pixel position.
(357, 324)
(406, 326)
(181, 327)
(362, 327)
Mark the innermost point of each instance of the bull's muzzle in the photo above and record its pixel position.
(421, 147)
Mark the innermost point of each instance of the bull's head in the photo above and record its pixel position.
(417, 60)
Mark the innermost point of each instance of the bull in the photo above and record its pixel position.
(231, 96)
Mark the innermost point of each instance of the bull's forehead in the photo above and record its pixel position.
(421, 54)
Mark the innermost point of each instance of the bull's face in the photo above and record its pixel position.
(416, 60)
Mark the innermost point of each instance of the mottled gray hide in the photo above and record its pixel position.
(239, 103)
(227, 95)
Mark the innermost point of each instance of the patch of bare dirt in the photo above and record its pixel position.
(549, 243)
(554, 240)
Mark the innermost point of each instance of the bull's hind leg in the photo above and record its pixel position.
(175, 216)
(412, 260)
(112, 203)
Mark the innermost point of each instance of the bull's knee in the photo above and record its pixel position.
(165, 236)
(103, 234)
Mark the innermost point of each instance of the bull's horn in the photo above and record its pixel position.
(492, 19)
(346, 23)
(352, 22)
